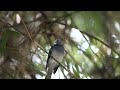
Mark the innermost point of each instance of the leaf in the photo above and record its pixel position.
(5, 36)
(89, 21)
(3, 42)
(37, 68)
(75, 72)
(76, 66)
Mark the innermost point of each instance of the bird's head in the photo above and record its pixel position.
(58, 42)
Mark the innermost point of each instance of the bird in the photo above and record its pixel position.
(57, 52)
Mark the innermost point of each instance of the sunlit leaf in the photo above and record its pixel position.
(75, 72)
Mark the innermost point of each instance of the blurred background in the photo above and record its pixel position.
(91, 40)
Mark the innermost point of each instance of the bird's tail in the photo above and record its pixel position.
(49, 73)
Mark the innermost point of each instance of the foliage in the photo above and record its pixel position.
(91, 40)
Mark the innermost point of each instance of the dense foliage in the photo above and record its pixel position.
(91, 40)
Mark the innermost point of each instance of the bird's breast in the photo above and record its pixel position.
(58, 55)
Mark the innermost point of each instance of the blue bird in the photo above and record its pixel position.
(57, 52)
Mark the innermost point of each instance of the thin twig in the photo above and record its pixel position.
(95, 55)
(100, 41)
(46, 51)
(6, 71)
(78, 64)
(28, 22)
(93, 38)
(55, 60)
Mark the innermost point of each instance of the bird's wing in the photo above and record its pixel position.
(50, 52)
(55, 69)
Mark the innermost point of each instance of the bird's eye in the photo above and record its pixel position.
(55, 42)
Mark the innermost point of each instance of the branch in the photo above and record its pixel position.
(76, 60)
(46, 51)
(99, 41)
(96, 56)
(27, 22)
(91, 37)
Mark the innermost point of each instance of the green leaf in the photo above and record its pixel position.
(75, 72)
(3, 42)
(90, 21)
(76, 66)
(37, 68)
(6, 34)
